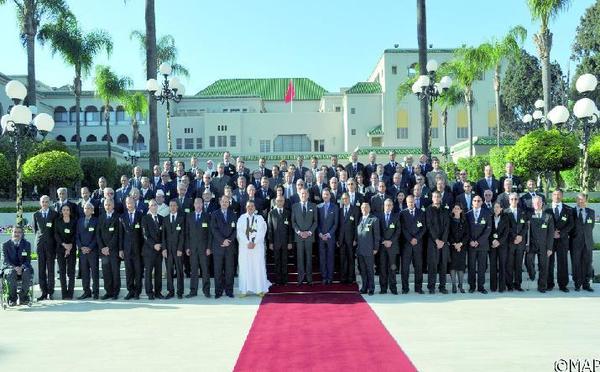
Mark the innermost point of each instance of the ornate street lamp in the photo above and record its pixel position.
(171, 90)
(18, 126)
(586, 112)
(132, 156)
(426, 88)
(531, 122)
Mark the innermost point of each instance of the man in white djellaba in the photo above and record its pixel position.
(252, 274)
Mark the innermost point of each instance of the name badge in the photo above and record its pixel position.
(367, 228)
(590, 220)
(67, 231)
(447, 207)
(522, 220)
(146, 201)
(310, 210)
(204, 224)
(426, 196)
(187, 210)
(392, 226)
(111, 229)
(24, 253)
(351, 218)
(358, 204)
(423, 209)
(286, 222)
(495, 236)
(137, 226)
(178, 228)
(268, 197)
(168, 193)
(48, 224)
(564, 218)
(482, 222)
(90, 229)
(233, 224)
(419, 224)
(544, 226)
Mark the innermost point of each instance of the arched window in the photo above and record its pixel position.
(61, 115)
(73, 117)
(92, 116)
(61, 138)
(121, 114)
(141, 142)
(122, 140)
(104, 137)
(91, 138)
(74, 138)
(111, 114)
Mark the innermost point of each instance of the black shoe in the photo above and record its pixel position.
(432, 291)
(191, 294)
(159, 296)
(483, 291)
(394, 291)
(550, 287)
(179, 296)
(419, 291)
(309, 283)
(84, 296)
(519, 289)
(371, 293)
(471, 290)
(383, 291)
(115, 297)
(51, 297)
(105, 297)
(230, 295)
(12, 303)
(443, 291)
(501, 290)
(95, 296)
(129, 296)
(136, 297)
(509, 288)
(207, 295)
(589, 289)
(461, 290)
(541, 290)
(564, 289)
(151, 296)
(363, 291)
(404, 291)
(577, 289)
(169, 295)
(218, 296)
(42, 297)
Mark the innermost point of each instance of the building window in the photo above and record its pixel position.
(120, 114)
(221, 141)
(461, 124)
(353, 110)
(402, 133)
(198, 143)
(232, 141)
(265, 145)
(435, 132)
(492, 132)
(319, 145)
(234, 110)
(244, 110)
(394, 70)
(435, 124)
(60, 115)
(353, 132)
(291, 143)
(225, 110)
(338, 109)
(188, 130)
(462, 132)
(211, 141)
(222, 128)
(402, 124)
(179, 143)
(412, 70)
(189, 144)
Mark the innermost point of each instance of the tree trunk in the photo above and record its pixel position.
(543, 41)
(445, 125)
(30, 32)
(78, 108)
(151, 70)
(422, 41)
(134, 125)
(469, 103)
(497, 98)
(107, 120)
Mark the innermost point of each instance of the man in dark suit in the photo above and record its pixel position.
(517, 239)
(480, 222)
(17, 263)
(250, 195)
(390, 247)
(412, 220)
(202, 184)
(466, 198)
(541, 240)
(509, 175)
(228, 166)
(43, 227)
(304, 223)
(85, 239)
(504, 197)
(131, 240)
(368, 240)
(378, 199)
(184, 204)
(458, 187)
(173, 239)
(488, 182)
(276, 178)
(300, 168)
(220, 181)
(327, 227)
(346, 239)
(197, 247)
(146, 192)
(425, 165)
(210, 204)
(99, 192)
(242, 171)
(438, 251)
(390, 168)
(223, 229)
(582, 243)
(62, 194)
(264, 171)
(563, 224)
(371, 166)
(168, 186)
(110, 253)
(354, 167)
(153, 251)
(86, 198)
(265, 193)
(122, 192)
(280, 233)
(528, 195)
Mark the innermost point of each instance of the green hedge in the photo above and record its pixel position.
(474, 166)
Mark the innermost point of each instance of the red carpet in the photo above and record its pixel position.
(319, 332)
(316, 287)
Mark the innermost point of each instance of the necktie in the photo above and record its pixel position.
(303, 208)
(412, 212)
(345, 211)
(130, 217)
(476, 216)
(326, 208)
(197, 217)
(387, 219)
(156, 220)
(172, 218)
(225, 215)
(556, 212)
(489, 182)
(515, 214)
(45, 214)
(86, 223)
(280, 211)
(581, 215)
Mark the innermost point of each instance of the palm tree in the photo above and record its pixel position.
(544, 10)
(422, 43)
(135, 103)
(166, 51)
(452, 97)
(469, 64)
(78, 49)
(151, 70)
(31, 14)
(109, 87)
(497, 51)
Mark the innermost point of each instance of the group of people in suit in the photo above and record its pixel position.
(385, 217)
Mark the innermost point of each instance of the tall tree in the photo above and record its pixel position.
(469, 64)
(166, 51)
(543, 11)
(135, 103)
(422, 43)
(498, 51)
(109, 87)
(78, 49)
(451, 98)
(586, 48)
(151, 70)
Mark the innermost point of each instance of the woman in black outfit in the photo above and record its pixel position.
(64, 234)
(458, 239)
(498, 249)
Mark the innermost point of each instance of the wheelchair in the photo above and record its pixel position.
(5, 290)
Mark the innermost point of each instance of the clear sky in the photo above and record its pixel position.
(334, 42)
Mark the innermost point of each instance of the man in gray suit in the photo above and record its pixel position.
(219, 182)
(304, 222)
(367, 236)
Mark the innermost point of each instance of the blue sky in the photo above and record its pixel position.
(334, 42)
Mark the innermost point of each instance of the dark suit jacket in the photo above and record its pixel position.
(501, 232)
(462, 200)
(21, 256)
(389, 169)
(377, 203)
(480, 229)
(170, 190)
(80, 204)
(438, 223)
(368, 235)
(582, 235)
(44, 230)
(152, 233)
(197, 233)
(187, 206)
(64, 232)
(360, 169)
(369, 168)
(131, 236)
(74, 209)
(517, 186)
(302, 222)
(391, 231)
(518, 226)
(482, 185)
(526, 200)
(222, 229)
(413, 227)
(229, 169)
(108, 232)
(541, 233)
(328, 223)
(458, 188)
(87, 237)
(121, 193)
(279, 228)
(564, 223)
(174, 233)
(265, 172)
(347, 224)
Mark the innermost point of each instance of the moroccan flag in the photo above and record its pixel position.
(290, 93)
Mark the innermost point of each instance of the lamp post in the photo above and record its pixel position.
(171, 90)
(18, 126)
(531, 122)
(132, 156)
(587, 113)
(426, 88)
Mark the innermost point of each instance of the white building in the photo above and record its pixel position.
(250, 118)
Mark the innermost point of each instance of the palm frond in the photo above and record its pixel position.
(109, 86)
(134, 103)
(544, 10)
